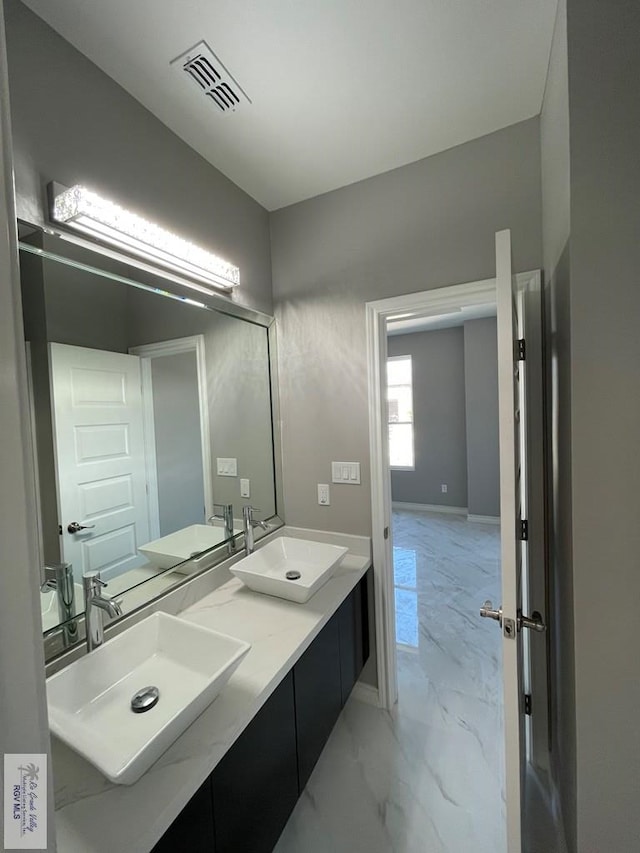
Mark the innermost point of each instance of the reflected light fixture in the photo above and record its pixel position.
(83, 210)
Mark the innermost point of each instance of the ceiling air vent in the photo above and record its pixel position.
(202, 66)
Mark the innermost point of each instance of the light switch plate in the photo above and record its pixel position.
(245, 488)
(226, 467)
(346, 472)
(324, 498)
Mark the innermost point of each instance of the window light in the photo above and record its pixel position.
(84, 210)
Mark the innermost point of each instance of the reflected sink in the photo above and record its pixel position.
(90, 700)
(312, 562)
(170, 550)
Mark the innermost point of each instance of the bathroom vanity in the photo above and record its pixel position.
(231, 780)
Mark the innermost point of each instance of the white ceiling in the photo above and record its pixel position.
(415, 322)
(341, 89)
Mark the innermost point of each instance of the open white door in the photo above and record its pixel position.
(99, 441)
(512, 498)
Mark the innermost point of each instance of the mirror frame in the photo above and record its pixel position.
(57, 643)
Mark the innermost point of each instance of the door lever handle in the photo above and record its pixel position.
(76, 527)
(487, 611)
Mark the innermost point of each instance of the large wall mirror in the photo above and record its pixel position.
(152, 416)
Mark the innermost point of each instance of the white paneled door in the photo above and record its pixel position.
(99, 441)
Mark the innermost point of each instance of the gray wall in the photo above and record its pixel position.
(73, 124)
(425, 225)
(481, 406)
(554, 131)
(455, 401)
(604, 110)
(176, 415)
(438, 417)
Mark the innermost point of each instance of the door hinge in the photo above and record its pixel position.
(386, 533)
(528, 704)
(521, 349)
(523, 532)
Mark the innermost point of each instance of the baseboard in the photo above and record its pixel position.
(453, 510)
(484, 519)
(366, 693)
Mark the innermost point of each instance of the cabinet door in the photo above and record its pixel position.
(192, 830)
(318, 697)
(353, 619)
(255, 786)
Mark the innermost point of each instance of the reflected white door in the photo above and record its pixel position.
(99, 441)
(512, 493)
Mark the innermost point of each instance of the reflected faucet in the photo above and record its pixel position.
(249, 523)
(58, 577)
(95, 606)
(227, 516)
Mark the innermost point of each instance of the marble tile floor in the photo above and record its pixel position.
(428, 777)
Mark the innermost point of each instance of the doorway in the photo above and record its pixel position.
(450, 301)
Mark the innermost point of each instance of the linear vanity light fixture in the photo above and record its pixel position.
(83, 210)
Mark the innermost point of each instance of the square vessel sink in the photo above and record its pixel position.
(90, 701)
(308, 564)
(177, 547)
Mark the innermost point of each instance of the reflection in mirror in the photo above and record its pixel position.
(152, 420)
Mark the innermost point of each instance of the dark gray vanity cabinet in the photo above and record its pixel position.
(192, 830)
(318, 697)
(255, 786)
(325, 676)
(353, 623)
(245, 803)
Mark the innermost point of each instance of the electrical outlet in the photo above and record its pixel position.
(444, 488)
(323, 494)
(245, 488)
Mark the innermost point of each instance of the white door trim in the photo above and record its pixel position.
(431, 302)
(192, 343)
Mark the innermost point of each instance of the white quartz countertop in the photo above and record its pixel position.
(95, 816)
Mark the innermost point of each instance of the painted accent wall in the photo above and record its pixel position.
(73, 124)
(438, 418)
(481, 407)
(455, 402)
(422, 226)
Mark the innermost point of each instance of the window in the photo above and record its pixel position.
(400, 412)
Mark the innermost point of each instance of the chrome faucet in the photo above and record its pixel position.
(249, 522)
(95, 606)
(225, 515)
(58, 578)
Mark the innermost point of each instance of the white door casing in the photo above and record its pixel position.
(100, 458)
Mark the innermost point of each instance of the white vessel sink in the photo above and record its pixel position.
(170, 550)
(266, 569)
(90, 700)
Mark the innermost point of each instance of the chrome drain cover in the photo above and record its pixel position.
(145, 700)
(293, 575)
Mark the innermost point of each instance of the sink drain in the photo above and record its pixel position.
(145, 700)
(293, 575)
